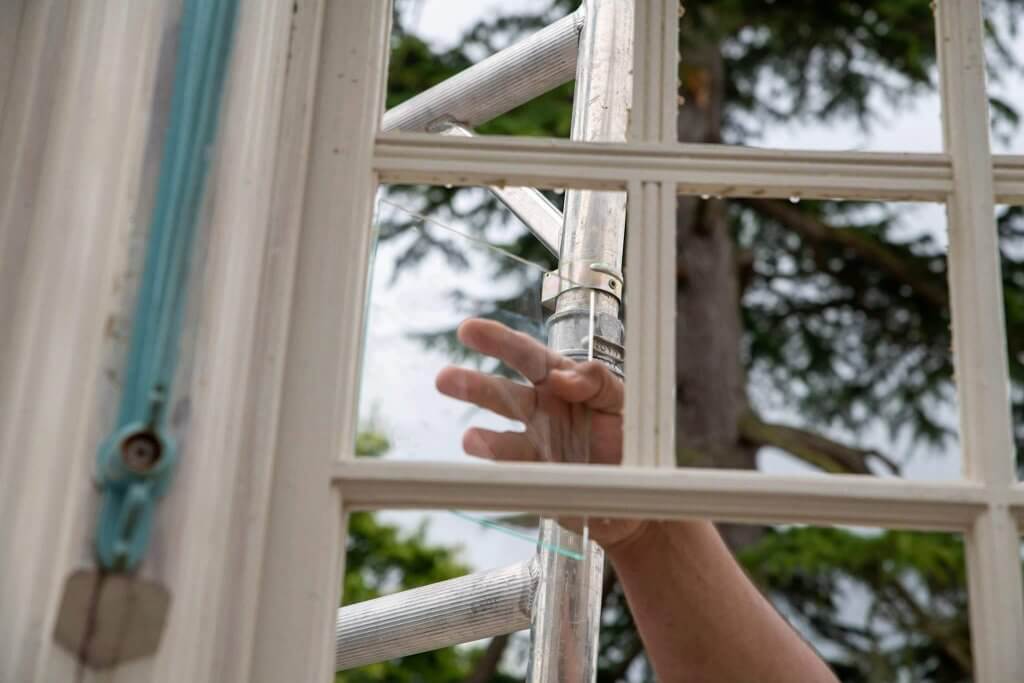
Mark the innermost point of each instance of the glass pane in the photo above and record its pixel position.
(813, 337)
(827, 76)
(442, 256)
(1004, 53)
(465, 306)
(872, 604)
(433, 40)
(787, 75)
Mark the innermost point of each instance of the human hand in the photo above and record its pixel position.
(572, 411)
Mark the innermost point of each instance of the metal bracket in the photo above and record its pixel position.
(580, 275)
(135, 466)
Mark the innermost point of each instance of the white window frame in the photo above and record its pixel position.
(985, 505)
(250, 540)
(654, 168)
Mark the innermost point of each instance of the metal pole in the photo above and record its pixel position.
(594, 229)
(586, 297)
(530, 206)
(498, 84)
(461, 610)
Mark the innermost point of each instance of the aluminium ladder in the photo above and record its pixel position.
(557, 596)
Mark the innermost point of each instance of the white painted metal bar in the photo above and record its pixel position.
(328, 211)
(642, 492)
(540, 216)
(694, 168)
(480, 605)
(979, 346)
(498, 84)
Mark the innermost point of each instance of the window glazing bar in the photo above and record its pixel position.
(717, 170)
(655, 493)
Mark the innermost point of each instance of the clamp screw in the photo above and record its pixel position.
(141, 451)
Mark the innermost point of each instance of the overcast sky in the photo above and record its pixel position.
(398, 376)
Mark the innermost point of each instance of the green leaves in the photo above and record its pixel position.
(846, 320)
(382, 559)
(878, 604)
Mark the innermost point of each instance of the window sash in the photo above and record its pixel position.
(986, 505)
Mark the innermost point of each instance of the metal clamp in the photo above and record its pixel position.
(135, 467)
(580, 275)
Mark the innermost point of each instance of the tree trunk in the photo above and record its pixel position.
(710, 381)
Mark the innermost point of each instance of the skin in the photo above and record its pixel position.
(700, 617)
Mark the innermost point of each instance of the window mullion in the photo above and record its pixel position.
(979, 345)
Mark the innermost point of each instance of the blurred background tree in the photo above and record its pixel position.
(827, 311)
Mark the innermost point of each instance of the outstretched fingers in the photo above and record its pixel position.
(485, 443)
(519, 351)
(497, 394)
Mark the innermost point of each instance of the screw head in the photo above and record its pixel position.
(141, 452)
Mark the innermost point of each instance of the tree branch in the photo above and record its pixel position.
(935, 628)
(923, 283)
(930, 287)
(810, 447)
(487, 666)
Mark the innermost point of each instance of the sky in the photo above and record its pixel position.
(398, 395)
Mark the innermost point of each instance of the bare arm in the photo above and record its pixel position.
(700, 617)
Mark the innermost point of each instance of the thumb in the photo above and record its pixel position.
(590, 383)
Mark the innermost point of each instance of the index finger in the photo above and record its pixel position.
(519, 351)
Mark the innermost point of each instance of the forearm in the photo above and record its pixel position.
(700, 617)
